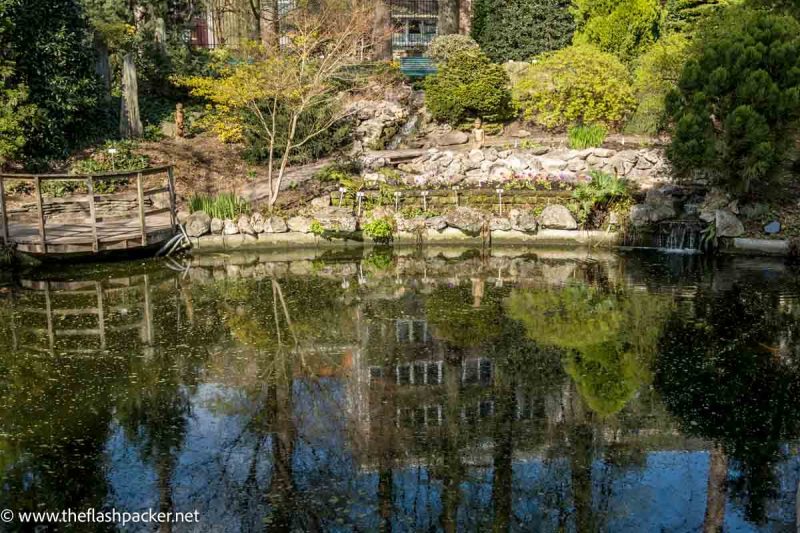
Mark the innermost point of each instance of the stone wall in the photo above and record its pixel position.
(448, 167)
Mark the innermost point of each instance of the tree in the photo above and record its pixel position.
(517, 30)
(738, 101)
(50, 44)
(308, 77)
(625, 28)
(14, 110)
(686, 15)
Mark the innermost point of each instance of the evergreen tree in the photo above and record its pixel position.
(738, 101)
(520, 29)
(625, 28)
(684, 15)
(51, 46)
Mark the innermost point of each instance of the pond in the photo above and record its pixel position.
(419, 390)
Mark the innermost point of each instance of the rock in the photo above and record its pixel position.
(715, 199)
(337, 219)
(499, 172)
(602, 152)
(754, 210)
(410, 225)
(466, 219)
(321, 201)
(217, 225)
(299, 224)
(244, 225)
(661, 212)
(197, 224)
(229, 227)
(656, 197)
(539, 150)
(452, 138)
(523, 221)
(557, 217)
(521, 134)
(728, 225)
(772, 228)
(437, 223)
(576, 165)
(491, 154)
(257, 221)
(499, 224)
(275, 225)
(551, 165)
(476, 156)
(640, 215)
(516, 164)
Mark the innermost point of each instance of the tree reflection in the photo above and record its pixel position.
(729, 373)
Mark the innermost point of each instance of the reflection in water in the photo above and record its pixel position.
(543, 392)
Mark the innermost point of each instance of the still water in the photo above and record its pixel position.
(436, 390)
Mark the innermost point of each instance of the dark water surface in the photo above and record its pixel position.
(434, 391)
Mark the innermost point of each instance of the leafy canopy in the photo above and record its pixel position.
(625, 28)
(517, 30)
(737, 101)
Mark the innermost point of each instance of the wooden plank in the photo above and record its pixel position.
(159, 190)
(140, 194)
(42, 236)
(173, 216)
(159, 211)
(80, 177)
(93, 214)
(4, 211)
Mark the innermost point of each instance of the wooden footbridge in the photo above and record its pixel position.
(86, 222)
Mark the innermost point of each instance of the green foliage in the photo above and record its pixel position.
(14, 113)
(222, 205)
(316, 228)
(101, 160)
(256, 142)
(625, 28)
(581, 137)
(657, 73)
(339, 171)
(444, 47)
(50, 44)
(379, 259)
(466, 86)
(579, 84)
(603, 190)
(516, 30)
(685, 16)
(738, 102)
(463, 318)
(380, 230)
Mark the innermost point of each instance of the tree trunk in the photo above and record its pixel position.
(716, 492)
(160, 34)
(130, 125)
(103, 67)
(271, 24)
(382, 32)
(449, 11)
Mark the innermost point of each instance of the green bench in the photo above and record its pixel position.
(417, 67)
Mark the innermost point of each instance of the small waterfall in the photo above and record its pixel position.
(679, 236)
(406, 130)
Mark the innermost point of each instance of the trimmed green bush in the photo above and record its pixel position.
(737, 104)
(445, 46)
(579, 84)
(581, 137)
(625, 28)
(516, 30)
(468, 85)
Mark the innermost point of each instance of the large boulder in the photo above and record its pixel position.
(197, 224)
(321, 201)
(523, 221)
(452, 138)
(640, 215)
(257, 221)
(229, 227)
(466, 219)
(217, 225)
(557, 217)
(300, 224)
(245, 228)
(337, 219)
(437, 223)
(728, 225)
(500, 172)
(275, 225)
(499, 224)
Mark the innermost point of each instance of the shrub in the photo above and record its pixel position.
(602, 190)
(686, 15)
(380, 230)
(223, 205)
(14, 112)
(581, 137)
(579, 84)
(516, 30)
(445, 46)
(656, 74)
(738, 102)
(625, 28)
(468, 85)
(339, 171)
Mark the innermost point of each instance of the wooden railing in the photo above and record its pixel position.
(90, 181)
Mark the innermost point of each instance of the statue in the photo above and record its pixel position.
(478, 135)
(179, 121)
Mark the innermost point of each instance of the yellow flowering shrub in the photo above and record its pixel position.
(579, 84)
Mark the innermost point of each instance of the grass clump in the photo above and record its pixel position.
(223, 205)
(590, 136)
